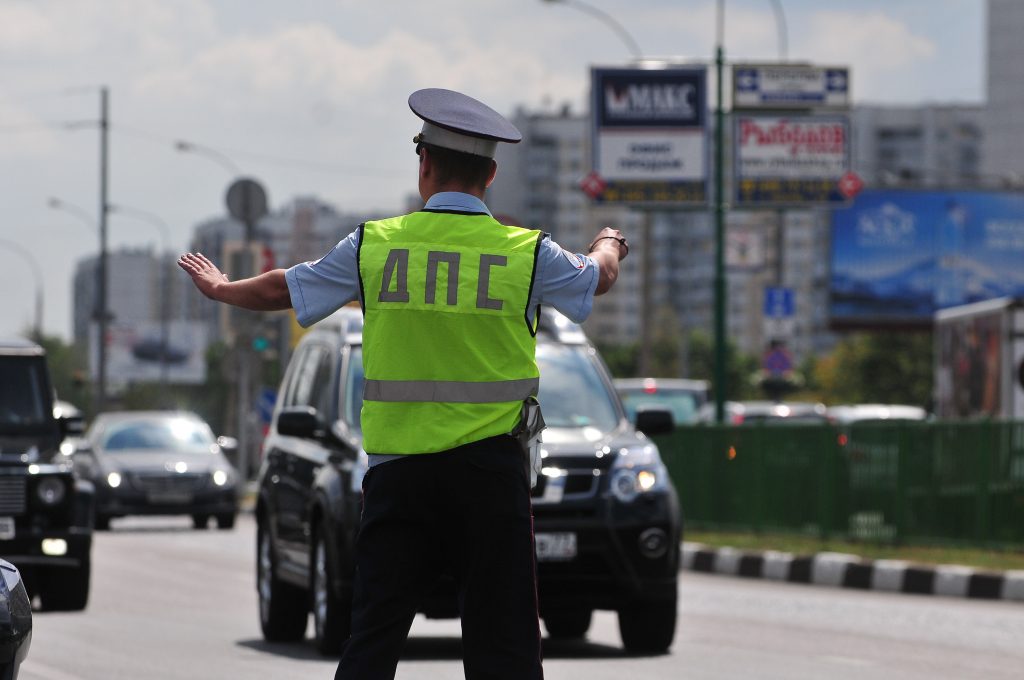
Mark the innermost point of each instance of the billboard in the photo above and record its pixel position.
(781, 160)
(899, 256)
(649, 140)
(137, 354)
(790, 86)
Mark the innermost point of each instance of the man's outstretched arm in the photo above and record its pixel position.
(263, 293)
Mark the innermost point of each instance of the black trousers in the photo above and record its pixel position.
(465, 511)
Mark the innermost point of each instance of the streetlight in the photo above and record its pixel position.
(604, 17)
(780, 27)
(212, 154)
(163, 228)
(37, 272)
(100, 314)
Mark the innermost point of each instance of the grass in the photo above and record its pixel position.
(806, 545)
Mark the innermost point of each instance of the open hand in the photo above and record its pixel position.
(204, 273)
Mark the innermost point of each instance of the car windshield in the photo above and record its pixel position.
(22, 393)
(682, 403)
(572, 393)
(182, 435)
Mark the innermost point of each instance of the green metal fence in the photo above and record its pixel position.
(910, 482)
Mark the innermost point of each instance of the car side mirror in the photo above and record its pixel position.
(299, 421)
(15, 620)
(654, 420)
(229, 445)
(72, 425)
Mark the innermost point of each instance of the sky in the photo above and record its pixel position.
(309, 97)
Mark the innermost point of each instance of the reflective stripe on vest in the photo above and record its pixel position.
(451, 391)
(447, 352)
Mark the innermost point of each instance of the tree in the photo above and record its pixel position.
(884, 367)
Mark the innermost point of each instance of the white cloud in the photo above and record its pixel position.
(884, 53)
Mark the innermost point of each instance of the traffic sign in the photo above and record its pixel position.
(850, 185)
(246, 201)
(779, 303)
(790, 86)
(777, 361)
(593, 185)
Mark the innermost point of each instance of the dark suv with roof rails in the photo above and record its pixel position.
(606, 516)
(45, 509)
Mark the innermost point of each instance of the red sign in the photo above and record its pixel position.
(593, 185)
(850, 185)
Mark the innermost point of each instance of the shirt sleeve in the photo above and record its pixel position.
(318, 289)
(564, 280)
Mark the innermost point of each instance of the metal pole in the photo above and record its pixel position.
(37, 273)
(644, 367)
(720, 288)
(780, 27)
(243, 345)
(101, 293)
(607, 19)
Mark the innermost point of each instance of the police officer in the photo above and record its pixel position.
(451, 301)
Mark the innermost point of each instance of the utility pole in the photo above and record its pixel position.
(720, 290)
(103, 316)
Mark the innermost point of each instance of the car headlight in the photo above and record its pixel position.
(220, 477)
(51, 490)
(637, 470)
(114, 480)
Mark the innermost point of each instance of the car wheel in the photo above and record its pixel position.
(283, 610)
(64, 589)
(567, 624)
(101, 523)
(226, 521)
(648, 627)
(332, 616)
(200, 521)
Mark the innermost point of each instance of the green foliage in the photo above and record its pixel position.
(666, 362)
(68, 371)
(878, 367)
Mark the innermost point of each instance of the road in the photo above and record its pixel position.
(171, 603)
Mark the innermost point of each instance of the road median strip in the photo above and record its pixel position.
(842, 570)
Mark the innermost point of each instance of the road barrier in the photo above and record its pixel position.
(936, 482)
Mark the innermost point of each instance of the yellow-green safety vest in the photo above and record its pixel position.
(449, 349)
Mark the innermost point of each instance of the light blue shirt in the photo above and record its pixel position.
(563, 280)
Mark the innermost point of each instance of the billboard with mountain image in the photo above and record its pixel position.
(899, 256)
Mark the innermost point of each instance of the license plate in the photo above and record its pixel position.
(552, 547)
(169, 498)
(6, 528)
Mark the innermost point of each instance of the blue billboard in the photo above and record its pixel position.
(898, 256)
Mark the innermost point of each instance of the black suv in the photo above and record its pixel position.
(45, 510)
(607, 520)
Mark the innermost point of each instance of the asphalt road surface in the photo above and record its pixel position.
(168, 602)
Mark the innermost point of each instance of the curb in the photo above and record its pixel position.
(840, 570)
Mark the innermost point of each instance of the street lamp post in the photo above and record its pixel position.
(163, 229)
(606, 18)
(37, 272)
(99, 314)
(212, 154)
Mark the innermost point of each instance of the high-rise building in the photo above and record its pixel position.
(1004, 124)
(931, 146)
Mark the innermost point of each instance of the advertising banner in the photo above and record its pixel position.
(785, 160)
(649, 141)
(899, 256)
(790, 86)
(136, 353)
